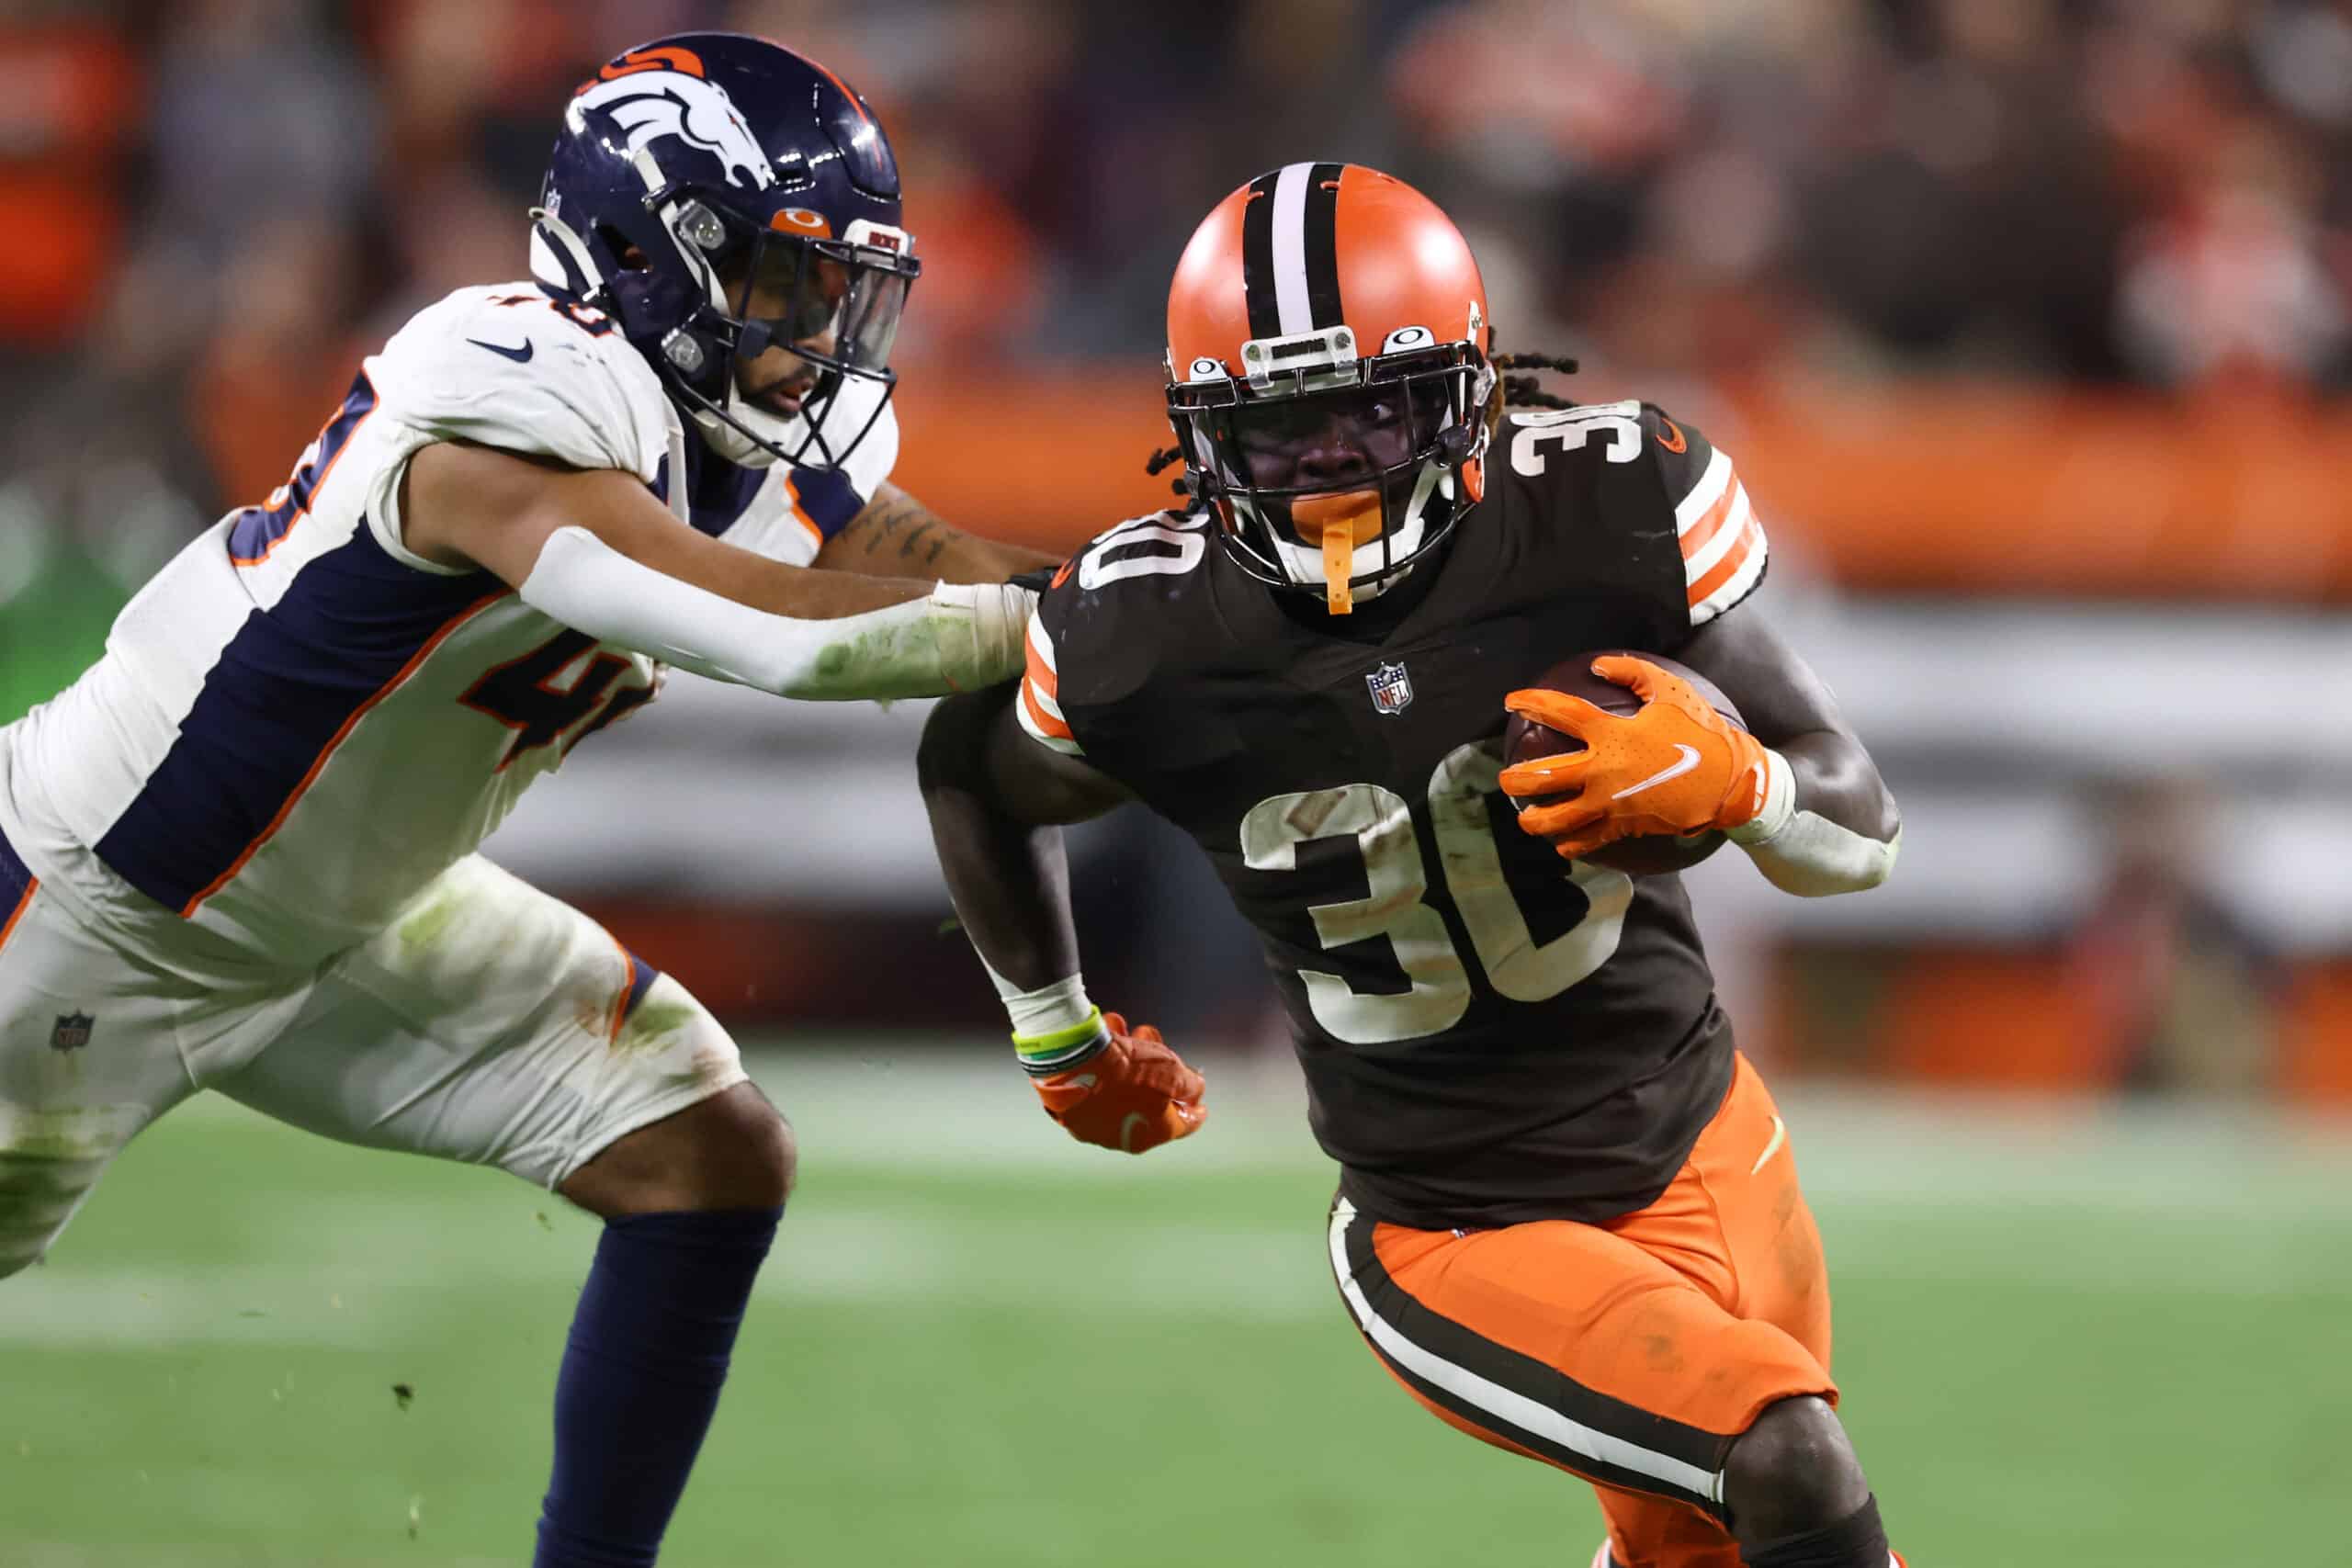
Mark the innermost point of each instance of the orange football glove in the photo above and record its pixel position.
(1676, 767)
(1133, 1094)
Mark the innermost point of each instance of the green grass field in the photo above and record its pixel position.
(2078, 1338)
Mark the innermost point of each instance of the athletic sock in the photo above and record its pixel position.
(641, 1379)
(1858, 1540)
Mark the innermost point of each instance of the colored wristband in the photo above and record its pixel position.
(1062, 1049)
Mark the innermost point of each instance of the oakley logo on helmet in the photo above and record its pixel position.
(655, 102)
(802, 217)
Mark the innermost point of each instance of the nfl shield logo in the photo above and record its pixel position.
(73, 1032)
(1392, 689)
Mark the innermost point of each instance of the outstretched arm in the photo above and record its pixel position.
(896, 536)
(997, 801)
(595, 550)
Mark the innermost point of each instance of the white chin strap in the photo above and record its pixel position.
(1302, 564)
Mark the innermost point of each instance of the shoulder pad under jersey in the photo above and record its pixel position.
(1652, 479)
(510, 367)
(1105, 619)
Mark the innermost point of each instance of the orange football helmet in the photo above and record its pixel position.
(1328, 377)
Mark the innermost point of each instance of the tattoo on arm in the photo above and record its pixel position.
(896, 536)
(883, 522)
(908, 524)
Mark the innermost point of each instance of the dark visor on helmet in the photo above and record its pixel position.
(1324, 441)
(834, 304)
(1252, 452)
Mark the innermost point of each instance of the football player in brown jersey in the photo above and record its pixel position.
(1568, 1222)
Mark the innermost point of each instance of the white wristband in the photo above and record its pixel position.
(1045, 1010)
(1780, 802)
(958, 638)
(1804, 853)
(1054, 1026)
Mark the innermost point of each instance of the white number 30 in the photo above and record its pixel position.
(1382, 824)
(1622, 422)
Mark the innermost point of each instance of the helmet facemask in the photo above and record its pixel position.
(789, 323)
(1335, 474)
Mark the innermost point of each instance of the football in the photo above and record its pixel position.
(1656, 854)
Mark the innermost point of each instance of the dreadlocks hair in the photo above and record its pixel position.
(1524, 390)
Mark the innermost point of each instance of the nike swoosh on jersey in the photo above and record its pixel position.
(1674, 770)
(1780, 1136)
(519, 356)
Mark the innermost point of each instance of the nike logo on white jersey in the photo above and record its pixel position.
(1690, 761)
(519, 356)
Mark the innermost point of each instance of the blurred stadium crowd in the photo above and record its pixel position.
(218, 203)
(215, 206)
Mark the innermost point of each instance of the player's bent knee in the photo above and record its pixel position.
(1792, 1471)
(757, 1155)
(733, 1151)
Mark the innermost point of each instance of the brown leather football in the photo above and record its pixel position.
(1655, 854)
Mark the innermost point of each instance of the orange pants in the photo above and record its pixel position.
(1630, 1353)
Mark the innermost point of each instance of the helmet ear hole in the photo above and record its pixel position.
(622, 247)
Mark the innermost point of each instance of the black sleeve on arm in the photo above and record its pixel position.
(996, 799)
(1789, 709)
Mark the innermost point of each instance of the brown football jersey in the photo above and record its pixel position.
(1489, 1035)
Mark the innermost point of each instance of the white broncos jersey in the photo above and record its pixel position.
(300, 723)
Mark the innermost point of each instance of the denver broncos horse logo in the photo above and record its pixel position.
(648, 104)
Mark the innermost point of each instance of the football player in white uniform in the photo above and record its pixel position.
(239, 854)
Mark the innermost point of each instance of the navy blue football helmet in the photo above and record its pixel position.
(720, 197)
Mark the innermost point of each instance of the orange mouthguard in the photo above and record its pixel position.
(1339, 565)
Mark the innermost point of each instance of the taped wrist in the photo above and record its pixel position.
(982, 629)
(1054, 1026)
(1804, 853)
(1043, 1055)
(1780, 802)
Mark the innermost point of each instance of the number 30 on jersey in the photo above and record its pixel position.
(1381, 821)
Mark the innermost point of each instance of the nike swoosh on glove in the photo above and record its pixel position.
(1133, 1094)
(1676, 767)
